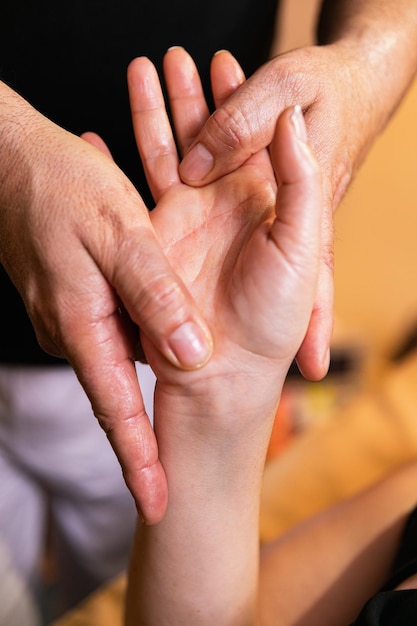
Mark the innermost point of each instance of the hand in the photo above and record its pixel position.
(337, 97)
(249, 262)
(77, 241)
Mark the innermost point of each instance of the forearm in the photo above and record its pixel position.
(348, 550)
(381, 35)
(341, 18)
(200, 564)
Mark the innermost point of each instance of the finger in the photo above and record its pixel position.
(313, 357)
(154, 296)
(296, 230)
(101, 355)
(95, 140)
(299, 181)
(226, 76)
(152, 128)
(100, 144)
(313, 354)
(186, 97)
(88, 326)
(240, 127)
(283, 256)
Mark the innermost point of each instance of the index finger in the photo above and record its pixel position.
(104, 365)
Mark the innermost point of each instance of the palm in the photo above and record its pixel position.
(203, 231)
(218, 240)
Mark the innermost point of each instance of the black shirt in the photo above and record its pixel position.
(391, 607)
(69, 60)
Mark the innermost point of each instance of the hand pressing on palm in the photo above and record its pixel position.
(245, 246)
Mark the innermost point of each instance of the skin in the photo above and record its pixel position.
(202, 564)
(348, 87)
(256, 286)
(77, 241)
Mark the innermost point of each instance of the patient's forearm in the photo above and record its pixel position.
(199, 566)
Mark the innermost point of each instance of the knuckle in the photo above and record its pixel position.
(230, 127)
(160, 149)
(161, 298)
(166, 293)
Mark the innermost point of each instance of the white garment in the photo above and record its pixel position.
(17, 607)
(55, 460)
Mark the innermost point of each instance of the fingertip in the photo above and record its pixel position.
(315, 366)
(131, 68)
(177, 53)
(313, 357)
(152, 498)
(136, 70)
(226, 76)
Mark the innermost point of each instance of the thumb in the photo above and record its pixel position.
(313, 357)
(239, 128)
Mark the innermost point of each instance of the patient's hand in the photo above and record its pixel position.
(248, 256)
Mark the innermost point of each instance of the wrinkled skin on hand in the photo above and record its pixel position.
(77, 241)
(339, 89)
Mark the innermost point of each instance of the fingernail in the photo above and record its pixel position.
(297, 119)
(190, 345)
(197, 163)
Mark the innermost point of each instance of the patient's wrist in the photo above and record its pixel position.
(220, 410)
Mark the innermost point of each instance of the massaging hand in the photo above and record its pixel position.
(246, 124)
(77, 241)
(347, 89)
